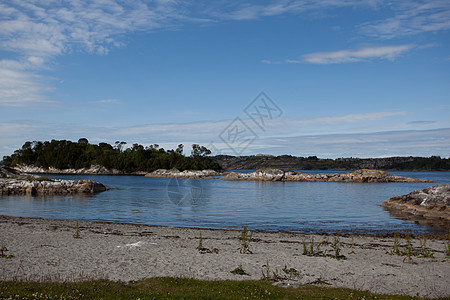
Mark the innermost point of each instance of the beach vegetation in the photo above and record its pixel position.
(239, 271)
(291, 272)
(276, 275)
(424, 251)
(310, 250)
(314, 250)
(200, 241)
(77, 235)
(396, 246)
(336, 248)
(447, 249)
(3, 251)
(180, 288)
(244, 239)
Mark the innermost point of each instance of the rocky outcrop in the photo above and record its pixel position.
(363, 175)
(432, 202)
(174, 173)
(13, 183)
(49, 187)
(94, 169)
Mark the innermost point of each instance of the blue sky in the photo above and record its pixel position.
(339, 78)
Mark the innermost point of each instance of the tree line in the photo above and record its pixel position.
(63, 154)
(289, 162)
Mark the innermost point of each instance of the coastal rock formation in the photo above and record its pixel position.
(363, 175)
(16, 186)
(13, 183)
(174, 173)
(94, 169)
(432, 202)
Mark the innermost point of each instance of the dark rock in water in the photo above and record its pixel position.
(432, 202)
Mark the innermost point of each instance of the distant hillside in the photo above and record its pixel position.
(288, 162)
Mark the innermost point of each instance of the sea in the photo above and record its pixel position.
(214, 203)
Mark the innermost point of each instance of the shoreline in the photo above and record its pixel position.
(435, 236)
(45, 249)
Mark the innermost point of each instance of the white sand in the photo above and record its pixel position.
(46, 250)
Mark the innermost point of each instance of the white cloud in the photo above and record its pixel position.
(363, 54)
(19, 88)
(411, 17)
(39, 31)
(248, 10)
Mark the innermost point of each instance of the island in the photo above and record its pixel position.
(273, 174)
(363, 175)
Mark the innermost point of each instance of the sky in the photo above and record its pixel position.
(331, 78)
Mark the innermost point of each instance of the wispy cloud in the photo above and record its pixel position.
(248, 10)
(411, 17)
(359, 55)
(37, 32)
(19, 88)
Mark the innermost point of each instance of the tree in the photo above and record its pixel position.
(199, 151)
(83, 141)
(180, 149)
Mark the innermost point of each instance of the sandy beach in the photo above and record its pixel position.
(45, 249)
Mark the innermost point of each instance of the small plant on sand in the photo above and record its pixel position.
(245, 240)
(200, 241)
(269, 275)
(336, 248)
(291, 272)
(447, 250)
(3, 251)
(309, 249)
(396, 247)
(424, 251)
(202, 249)
(77, 232)
(409, 252)
(239, 271)
(352, 245)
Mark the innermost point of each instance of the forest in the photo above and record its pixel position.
(63, 154)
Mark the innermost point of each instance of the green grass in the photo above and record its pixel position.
(175, 288)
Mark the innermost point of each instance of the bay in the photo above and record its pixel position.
(214, 203)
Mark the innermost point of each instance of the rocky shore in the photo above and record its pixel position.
(19, 184)
(174, 173)
(94, 169)
(430, 203)
(264, 174)
(363, 175)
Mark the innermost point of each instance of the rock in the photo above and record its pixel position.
(432, 202)
(174, 173)
(363, 175)
(94, 169)
(38, 186)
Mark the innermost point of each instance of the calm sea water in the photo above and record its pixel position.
(213, 203)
